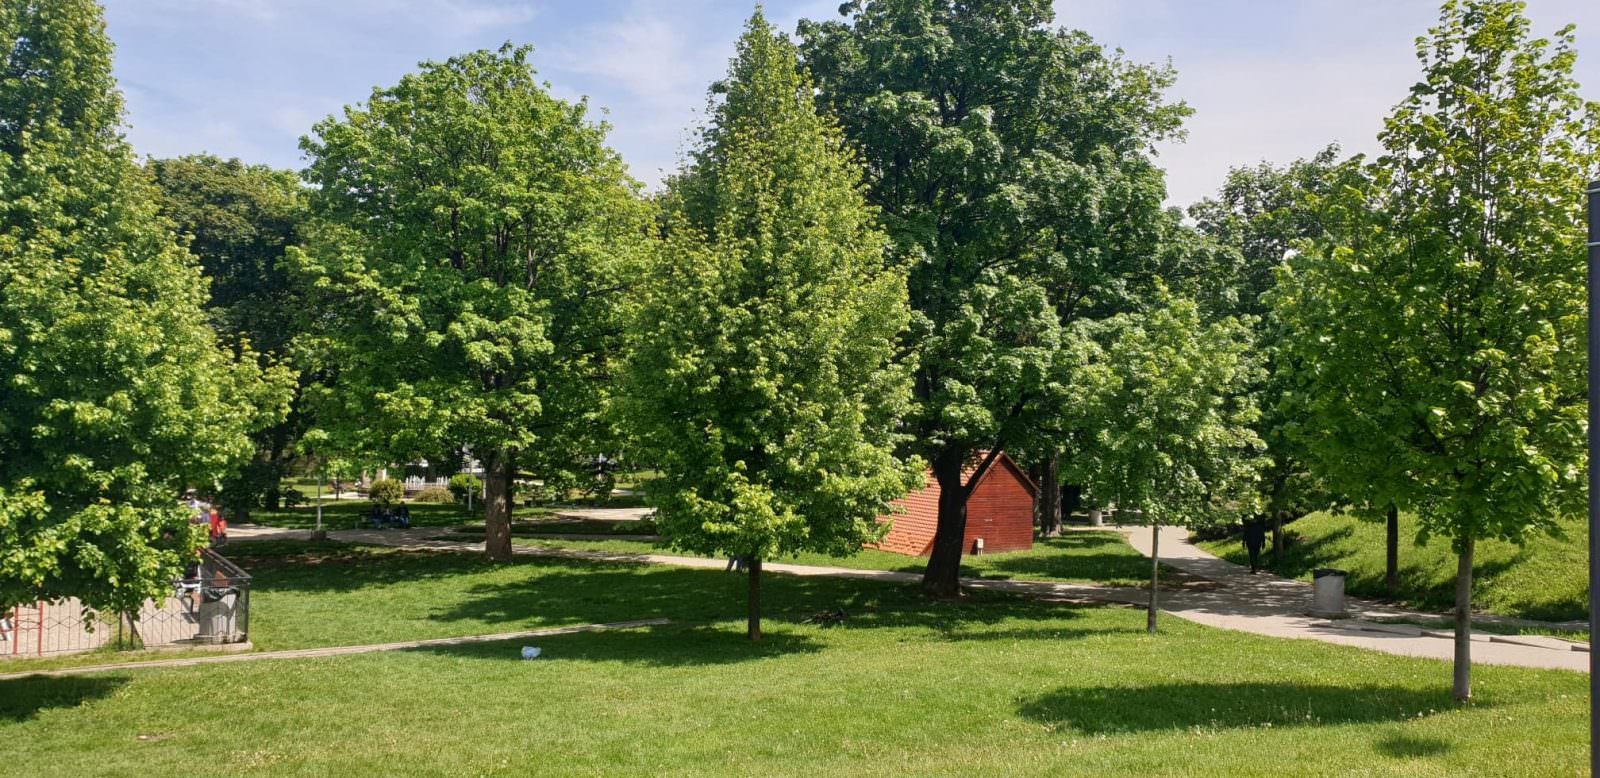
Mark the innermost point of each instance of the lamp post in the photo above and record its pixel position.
(1594, 474)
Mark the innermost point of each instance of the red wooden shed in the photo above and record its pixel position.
(1000, 511)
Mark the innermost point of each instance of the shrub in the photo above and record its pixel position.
(386, 492)
(435, 494)
(462, 484)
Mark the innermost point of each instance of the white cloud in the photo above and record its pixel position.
(446, 17)
(1279, 81)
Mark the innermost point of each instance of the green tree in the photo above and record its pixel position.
(762, 381)
(1011, 164)
(240, 220)
(1440, 328)
(476, 235)
(1263, 213)
(1170, 419)
(115, 393)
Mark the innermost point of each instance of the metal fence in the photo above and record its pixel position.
(209, 606)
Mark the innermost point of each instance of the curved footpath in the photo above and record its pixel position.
(1231, 598)
(1270, 605)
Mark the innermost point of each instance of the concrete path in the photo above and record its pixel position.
(1231, 598)
(603, 514)
(1270, 605)
(312, 653)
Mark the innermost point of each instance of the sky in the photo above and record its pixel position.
(1269, 80)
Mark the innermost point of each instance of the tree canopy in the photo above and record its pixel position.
(475, 236)
(762, 380)
(115, 393)
(1440, 327)
(240, 220)
(1169, 418)
(1011, 163)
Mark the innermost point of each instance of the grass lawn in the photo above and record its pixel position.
(346, 514)
(1548, 579)
(990, 686)
(545, 526)
(1093, 557)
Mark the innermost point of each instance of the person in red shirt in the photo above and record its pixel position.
(218, 528)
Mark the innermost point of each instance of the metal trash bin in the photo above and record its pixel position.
(216, 615)
(1327, 596)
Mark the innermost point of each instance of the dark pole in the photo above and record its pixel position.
(1594, 476)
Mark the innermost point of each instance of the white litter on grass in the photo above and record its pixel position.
(530, 652)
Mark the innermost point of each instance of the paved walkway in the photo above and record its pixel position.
(603, 514)
(1270, 605)
(1261, 604)
(312, 653)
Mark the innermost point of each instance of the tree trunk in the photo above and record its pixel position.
(942, 578)
(1462, 688)
(1277, 539)
(1155, 574)
(1391, 569)
(1071, 500)
(1050, 498)
(497, 505)
(753, 619)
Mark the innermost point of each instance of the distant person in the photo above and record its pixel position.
(402, 516)
(1255, 537)
(218, 528)
(735, 564)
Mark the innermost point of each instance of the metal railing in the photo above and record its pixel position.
(209, 606)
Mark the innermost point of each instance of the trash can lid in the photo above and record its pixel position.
(1322, 571)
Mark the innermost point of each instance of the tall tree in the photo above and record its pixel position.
(762, 380)
(240, 220)
(475, 237)
(116, 394)
(1443, 320)
(1011, 163)
(1264, 213)
(1171, 419)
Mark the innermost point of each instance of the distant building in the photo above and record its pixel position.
(999, 512)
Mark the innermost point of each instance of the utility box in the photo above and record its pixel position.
(1327, 596)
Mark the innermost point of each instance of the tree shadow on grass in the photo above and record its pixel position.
(23, 698)
(536, 592)
(670, 645)
(1116, 709)
(585, 592)
(332, 566)
(1095, 556)
(1407, 747)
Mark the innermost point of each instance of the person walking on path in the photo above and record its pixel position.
(1255, 536)
(218, 527)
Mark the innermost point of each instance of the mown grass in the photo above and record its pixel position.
(905, 686)
(546, 526)
(348, 514)
(1079, 557)
(1546, 579)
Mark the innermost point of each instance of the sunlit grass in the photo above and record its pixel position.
(905, 686)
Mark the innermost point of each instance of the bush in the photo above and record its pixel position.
(386, 492)
(462, 484)
(435, 494)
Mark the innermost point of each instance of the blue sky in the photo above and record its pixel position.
(1268, 79)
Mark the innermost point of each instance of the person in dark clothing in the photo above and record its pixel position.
(1255, 536)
